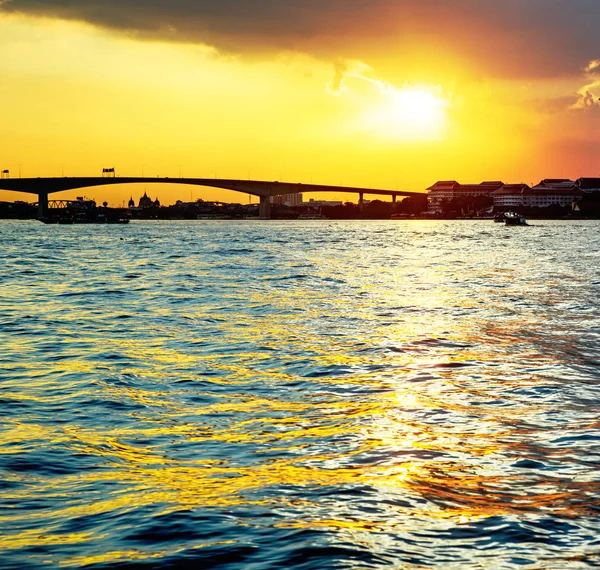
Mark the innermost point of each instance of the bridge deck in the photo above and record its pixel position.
(44, 186)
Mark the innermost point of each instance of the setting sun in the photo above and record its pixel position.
(411, 113)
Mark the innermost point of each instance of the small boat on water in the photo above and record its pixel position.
(311, 217)
(514, 219)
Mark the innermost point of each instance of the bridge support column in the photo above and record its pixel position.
(394, 198)
(42, 205)
(265, 208)
(361, 202)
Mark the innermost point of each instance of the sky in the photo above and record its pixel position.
(393, 94)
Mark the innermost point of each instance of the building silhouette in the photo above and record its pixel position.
(145, 201)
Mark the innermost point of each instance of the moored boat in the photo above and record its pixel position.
(311, 217)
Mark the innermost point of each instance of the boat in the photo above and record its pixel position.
(311, 217)
(82, 218)
(118, 221)
(514, 219)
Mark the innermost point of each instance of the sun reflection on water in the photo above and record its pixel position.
(403, 400)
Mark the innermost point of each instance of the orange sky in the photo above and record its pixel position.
(387, 104)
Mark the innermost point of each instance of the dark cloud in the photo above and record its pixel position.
(506, 37)
(337, 86)
(587, 100)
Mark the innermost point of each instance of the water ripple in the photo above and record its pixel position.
(299, 395)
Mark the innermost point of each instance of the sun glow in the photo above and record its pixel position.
(411, 113)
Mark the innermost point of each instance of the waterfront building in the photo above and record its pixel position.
(555, 183)
(447, 190)
(131, 203)
(509, 196)
(182, 204)
(320, 203)
(290, 200)
(549, 192)
(588, 185)
(441, 191)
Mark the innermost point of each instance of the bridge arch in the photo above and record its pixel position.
(43, 187)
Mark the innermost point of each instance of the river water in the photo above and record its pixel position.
(300, 395)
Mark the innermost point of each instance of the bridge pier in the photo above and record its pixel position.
(265, 208)
(42, 205)
(394, 198)
(361, 202)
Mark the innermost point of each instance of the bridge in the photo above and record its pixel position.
(43, 187)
